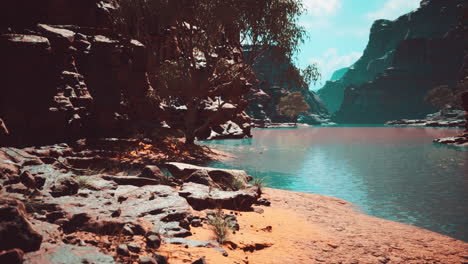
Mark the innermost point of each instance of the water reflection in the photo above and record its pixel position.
(390, 172)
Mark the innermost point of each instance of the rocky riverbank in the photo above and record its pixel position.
(443, 118)
(122, 201)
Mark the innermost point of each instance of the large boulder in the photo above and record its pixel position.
(15, 229)
(202, 197)
(224, 177)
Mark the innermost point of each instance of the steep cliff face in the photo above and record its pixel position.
(66, 75)
(402, 61)
(62, 81)
(277, 77)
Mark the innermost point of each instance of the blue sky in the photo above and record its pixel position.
(339, 30)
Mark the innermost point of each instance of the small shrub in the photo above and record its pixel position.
(259, 182)
(220, 226)
(237, 184)
(84, 182)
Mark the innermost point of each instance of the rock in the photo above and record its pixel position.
(28, 180)
(196, 222)
(63, 187)
(134, 247)
(160, 259)
(131, 180)
(442, 118)
(17, 188)
(7, 166)
(263, 201)
(460, 141)
(116, 213)
(201, 177)
(152, 172)
(15, 229)
(63, 253)
(153, 241)
(60, 38)
(200, 261)
(223, 177)
(123, 250)
(40, 181)
(147, 260)
(12, 256)
(200, 197)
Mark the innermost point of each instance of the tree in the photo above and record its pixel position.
(293, 105)
(204, 78)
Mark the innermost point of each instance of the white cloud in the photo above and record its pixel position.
(392, 9)
(322, 7)
(330, 61)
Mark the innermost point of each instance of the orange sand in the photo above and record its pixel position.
(307, 228)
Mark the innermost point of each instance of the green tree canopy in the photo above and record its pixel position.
(205, 75)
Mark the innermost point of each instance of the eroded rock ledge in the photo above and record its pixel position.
(72, 204)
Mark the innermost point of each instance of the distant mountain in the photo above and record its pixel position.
(332, 93)
(339, 74)
(403, 60)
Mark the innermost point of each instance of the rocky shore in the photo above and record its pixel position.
(122, 201)
(443, 118)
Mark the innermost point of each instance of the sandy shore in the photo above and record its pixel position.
(307, 228)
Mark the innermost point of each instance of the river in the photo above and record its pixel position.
(395, 173)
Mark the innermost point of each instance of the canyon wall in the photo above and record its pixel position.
(403, 60)
(67, 73)
(278, 77)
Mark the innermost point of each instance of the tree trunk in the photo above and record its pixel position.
(189, 138)
(190, 120)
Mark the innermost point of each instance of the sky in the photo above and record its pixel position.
(339, 30)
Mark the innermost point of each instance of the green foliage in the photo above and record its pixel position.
(293, 105)
(84, 182)
(310, 74)
(237, 184)
(259, 182)
(202, 40)
(444, 97)
(220, 226)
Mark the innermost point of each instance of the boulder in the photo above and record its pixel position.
(59, 38)
(201, 177)
(202, 197)
(151, 171)
(153, 241)
(122, 250)
(15, 229)
(223, 177)
(64, 186)
(155, 173)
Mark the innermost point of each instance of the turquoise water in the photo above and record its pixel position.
(395, 173)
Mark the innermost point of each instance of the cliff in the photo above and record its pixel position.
(68, 73)
(402, 62)
(278, 77)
